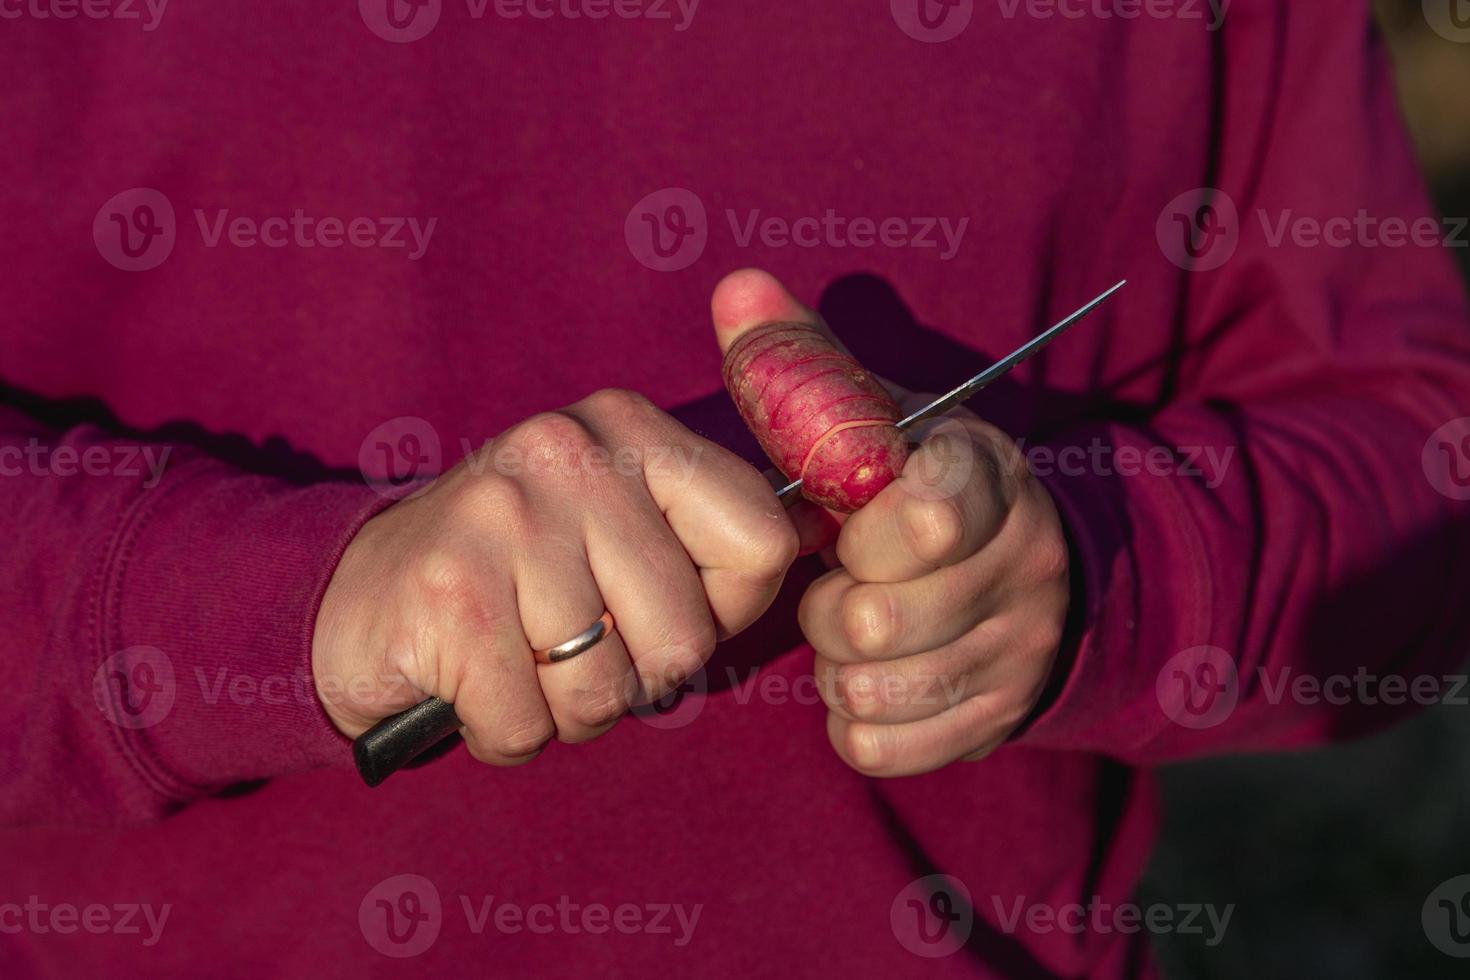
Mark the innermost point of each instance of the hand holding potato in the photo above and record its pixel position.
(936, 636)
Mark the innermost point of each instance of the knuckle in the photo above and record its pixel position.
(869, 750)
(1048, 636)
(867, 620)
(676, 663)
(492, 501)
(406, 659)
(479, 752)
(616, 404)
(933, 529)
(599, 708)
(1049, 559)
(525, 738)
(861, 695)
(692, 636)
(772, 546)
(1010, 714)
(447, 580)
(552, 442)
(827, 676)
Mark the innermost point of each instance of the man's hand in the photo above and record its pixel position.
(609, 503)
(936, 636)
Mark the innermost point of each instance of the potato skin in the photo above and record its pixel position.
(817, 414)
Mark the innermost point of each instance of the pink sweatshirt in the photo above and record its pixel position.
(242, 236)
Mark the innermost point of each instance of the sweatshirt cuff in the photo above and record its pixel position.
(208, 604)
(1086, 692)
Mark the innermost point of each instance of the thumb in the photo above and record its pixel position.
(749, 298)
(742, 301)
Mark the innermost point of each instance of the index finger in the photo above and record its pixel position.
(722, 510)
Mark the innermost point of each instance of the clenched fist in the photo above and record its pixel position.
(936, 635)
(607, 504)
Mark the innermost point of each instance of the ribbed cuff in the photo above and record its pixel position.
(215, 584)
(1096, 525)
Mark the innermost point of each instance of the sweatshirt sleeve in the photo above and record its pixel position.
(159, 607)
(1299, 571)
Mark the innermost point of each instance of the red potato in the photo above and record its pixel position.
(818, 415)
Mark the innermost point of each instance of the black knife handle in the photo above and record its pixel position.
(398, 739)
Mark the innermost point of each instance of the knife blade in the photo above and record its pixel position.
(991, 374)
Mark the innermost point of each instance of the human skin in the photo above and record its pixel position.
(937, 630)
(521, 547)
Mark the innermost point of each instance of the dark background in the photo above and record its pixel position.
(1329, 855)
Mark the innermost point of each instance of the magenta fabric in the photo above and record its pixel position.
(264, 370)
